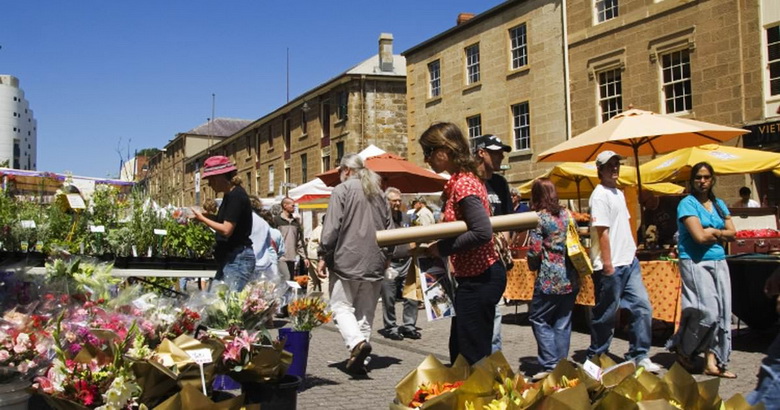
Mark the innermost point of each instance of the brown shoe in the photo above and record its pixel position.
(355, 364)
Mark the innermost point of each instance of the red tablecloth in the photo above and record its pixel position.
(661, 278)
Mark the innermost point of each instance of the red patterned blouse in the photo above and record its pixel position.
(473, 261)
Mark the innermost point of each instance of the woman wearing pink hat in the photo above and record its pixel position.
(233, 224)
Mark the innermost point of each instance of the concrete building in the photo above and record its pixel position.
(18, 127)
(501, 72)
(310, 134)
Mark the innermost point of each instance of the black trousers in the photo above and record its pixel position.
(471, 334)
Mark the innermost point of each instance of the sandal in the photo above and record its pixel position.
(723, 373)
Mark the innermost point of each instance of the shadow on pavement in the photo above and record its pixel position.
(314, 381)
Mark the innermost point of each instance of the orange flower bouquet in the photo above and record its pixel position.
(308, 313)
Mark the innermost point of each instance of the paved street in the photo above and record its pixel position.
(329, 387)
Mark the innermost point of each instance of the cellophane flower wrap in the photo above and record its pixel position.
(24, 343)
(93, 281)
(94, 377)
(247, 360)
(249, 309)
(308, 312)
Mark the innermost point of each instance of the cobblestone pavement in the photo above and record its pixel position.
(328, 386)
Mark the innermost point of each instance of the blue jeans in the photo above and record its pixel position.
(624, 287)
(238, 268)
(550, 317)
(768, 389)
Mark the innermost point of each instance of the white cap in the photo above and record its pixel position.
(605, 156)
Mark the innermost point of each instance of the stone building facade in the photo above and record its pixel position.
(364, 105)
(704, 60)
(501, 72)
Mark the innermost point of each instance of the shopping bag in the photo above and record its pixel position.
(412, 287)
(577, 254)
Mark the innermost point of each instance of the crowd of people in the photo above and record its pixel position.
(346, 265)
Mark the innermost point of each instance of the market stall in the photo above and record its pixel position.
(661, 278)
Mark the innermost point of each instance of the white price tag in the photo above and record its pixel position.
(76, 201)
(97, 229)
(27, 224)
(200, 356)
(592, 369)
(160, 232)
(293, 284)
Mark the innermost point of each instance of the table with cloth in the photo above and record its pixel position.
(661, 278)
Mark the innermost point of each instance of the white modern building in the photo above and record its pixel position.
(18, 128)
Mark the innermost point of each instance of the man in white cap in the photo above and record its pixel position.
(489, 152)
(617, 277)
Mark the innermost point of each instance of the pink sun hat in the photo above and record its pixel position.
(217, 165)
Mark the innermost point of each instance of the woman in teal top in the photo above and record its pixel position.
(704, 225)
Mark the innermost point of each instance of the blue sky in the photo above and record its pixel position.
(109, 75)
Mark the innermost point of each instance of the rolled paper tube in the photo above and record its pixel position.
(514, 222)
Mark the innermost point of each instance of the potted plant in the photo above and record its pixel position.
(305, 314)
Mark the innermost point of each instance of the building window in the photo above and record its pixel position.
(325, 162)
(521, 125)
(610, 94)
(475, 126)
(304, 168)
(341, 111)
(519, 46)
(248, 142)
(270, 178)
(773, 57)
(339, 152)
(270, 136)
(304, 122)
(472, 64)
(249, 182)
(287, 135)
(606, 10)
(676, 71)
(287, 176)
(434, 75)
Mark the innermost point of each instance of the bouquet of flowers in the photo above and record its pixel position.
(94, 281)
(246, 360)
(308, 313)
(93, 378)
(24, 346)
(247, 310)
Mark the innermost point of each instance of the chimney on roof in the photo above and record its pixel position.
(464, 17)
(386, 52)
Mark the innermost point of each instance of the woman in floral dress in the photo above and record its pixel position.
(477, 268)
(557, 282)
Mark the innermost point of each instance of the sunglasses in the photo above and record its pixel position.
(704, 177)
(428, 151)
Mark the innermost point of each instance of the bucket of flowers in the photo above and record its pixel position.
(305, 314)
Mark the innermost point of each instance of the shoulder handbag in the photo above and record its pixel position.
(576, 252)
(501, 246)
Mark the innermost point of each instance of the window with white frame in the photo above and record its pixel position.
(519, 46)
(610, 93)
(475, 126)
(676, 76)
(472, 64)
(325, 162)
(606, 10)
(773, 58)
(270, 178)
(434, 79)
(521, 125)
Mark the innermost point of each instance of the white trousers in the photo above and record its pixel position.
(353, 303)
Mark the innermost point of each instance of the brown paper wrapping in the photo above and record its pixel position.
(269, 363)
(62, 404)
(157, 382)
(173, 353)
(513, 222)
(191, 398)
(573, 398)
(430, 370)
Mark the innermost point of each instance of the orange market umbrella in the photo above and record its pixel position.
(725, 160)
(395, 172)
(637, 132)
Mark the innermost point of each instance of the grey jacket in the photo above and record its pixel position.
(348, 241)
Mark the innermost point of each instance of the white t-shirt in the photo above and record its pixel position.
(608, 209)
(751, 204)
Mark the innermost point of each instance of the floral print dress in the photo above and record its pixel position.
(547, 255)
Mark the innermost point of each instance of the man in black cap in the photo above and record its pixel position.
(489, 152)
